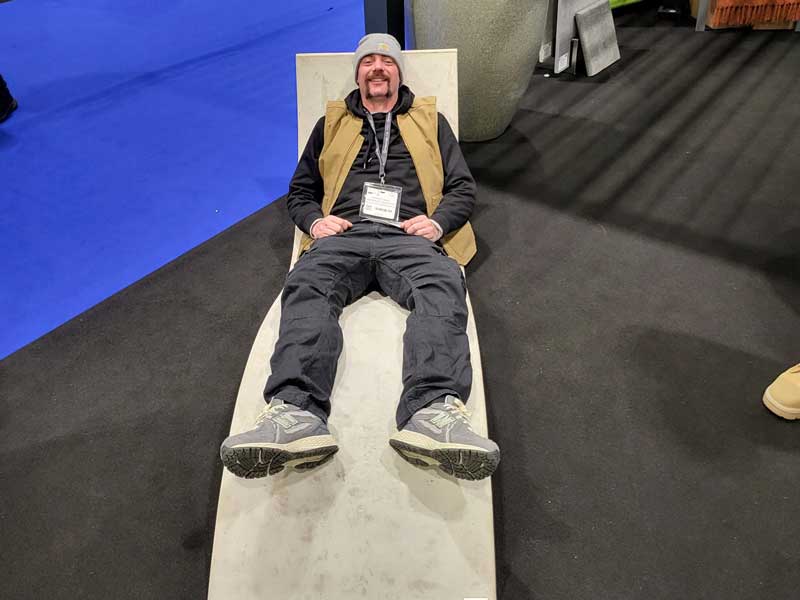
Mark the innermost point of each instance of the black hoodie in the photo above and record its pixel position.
(306, 188)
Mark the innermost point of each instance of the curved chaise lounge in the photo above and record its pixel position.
(367, 524)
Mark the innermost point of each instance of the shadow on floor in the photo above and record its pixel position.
(708, 396)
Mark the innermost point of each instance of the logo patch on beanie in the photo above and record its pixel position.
(383, 46)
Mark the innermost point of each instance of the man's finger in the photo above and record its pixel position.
(411, 222)
(419, 224)
(420, 230)
(330, 225)
(340, 221)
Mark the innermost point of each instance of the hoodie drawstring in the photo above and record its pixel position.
(368, 153)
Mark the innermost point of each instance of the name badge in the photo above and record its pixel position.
(381, 203)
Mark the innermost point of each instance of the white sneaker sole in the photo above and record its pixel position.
(252, 460)
(462, 461)
(779, 409)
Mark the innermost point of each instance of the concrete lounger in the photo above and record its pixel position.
(367, 524)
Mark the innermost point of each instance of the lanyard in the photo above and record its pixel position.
(383, 155)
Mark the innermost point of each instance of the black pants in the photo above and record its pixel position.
(339, 269)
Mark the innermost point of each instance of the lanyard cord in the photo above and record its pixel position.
(383, 154)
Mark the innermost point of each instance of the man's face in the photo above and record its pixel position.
(378, 77)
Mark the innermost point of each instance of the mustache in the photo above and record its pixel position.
(389, 93)
(379, 75)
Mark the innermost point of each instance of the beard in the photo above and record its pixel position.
(389, 92)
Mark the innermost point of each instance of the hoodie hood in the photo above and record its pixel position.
(405, 98)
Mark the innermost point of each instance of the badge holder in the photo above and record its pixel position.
(381, 203)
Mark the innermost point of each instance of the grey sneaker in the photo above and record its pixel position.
(284, 436)
(440, 435)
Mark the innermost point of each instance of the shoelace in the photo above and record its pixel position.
(269, 413)
(368, 154)
(459, 411)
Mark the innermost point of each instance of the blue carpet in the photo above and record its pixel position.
(144, 129)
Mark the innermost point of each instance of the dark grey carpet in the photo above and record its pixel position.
(111, 426)
(637, 288)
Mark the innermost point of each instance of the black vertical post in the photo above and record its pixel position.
(386, 16)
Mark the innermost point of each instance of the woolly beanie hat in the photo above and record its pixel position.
(379, 43)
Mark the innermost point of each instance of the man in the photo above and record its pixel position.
(7, 103)
(380, 182)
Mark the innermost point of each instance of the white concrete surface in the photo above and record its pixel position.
(367, 524)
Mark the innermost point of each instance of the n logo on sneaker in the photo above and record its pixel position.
(431, 427)
(442, 419)
(289, 424)
(296, 428)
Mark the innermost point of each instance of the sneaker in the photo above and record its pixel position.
(8, 110)
(440, 435)
(284, 436)
(783, 395)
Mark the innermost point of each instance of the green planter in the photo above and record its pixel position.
(498, 47)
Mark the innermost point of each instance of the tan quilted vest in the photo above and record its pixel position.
(419, 129)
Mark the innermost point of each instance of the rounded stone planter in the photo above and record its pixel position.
(498, 46)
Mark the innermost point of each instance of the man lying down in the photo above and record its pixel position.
(384, 194)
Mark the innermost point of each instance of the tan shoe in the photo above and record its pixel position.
(783, 395)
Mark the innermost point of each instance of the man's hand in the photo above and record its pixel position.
(330, 225)
(422, 225)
